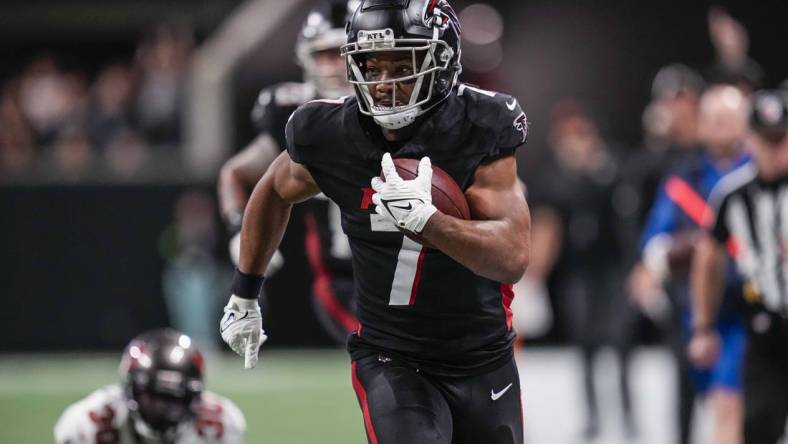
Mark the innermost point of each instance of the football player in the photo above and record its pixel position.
(317, 52)
(160, 399)
(432, 359)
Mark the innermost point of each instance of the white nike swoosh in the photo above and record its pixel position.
(495, 396)
(230, 319)
(512, 105)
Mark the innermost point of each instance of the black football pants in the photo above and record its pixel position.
(402, 405)
(766, 379)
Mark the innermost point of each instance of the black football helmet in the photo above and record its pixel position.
(324, 30)
(427, 30)
(769, 114)
(162, 375)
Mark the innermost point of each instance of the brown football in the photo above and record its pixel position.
(447, 196)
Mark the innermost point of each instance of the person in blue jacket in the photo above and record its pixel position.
(679, 213)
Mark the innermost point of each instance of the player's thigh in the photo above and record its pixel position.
(399, 405)
(487, 408)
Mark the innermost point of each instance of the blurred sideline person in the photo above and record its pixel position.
(669, 237)
(670, 125)
(751, 215)
(327, 249)
(161, 399)
(192, 273)
(732, 64)
(582, 251)
(432, 359)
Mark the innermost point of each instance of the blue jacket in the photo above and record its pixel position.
(680, 206)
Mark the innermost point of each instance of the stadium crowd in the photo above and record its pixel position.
(66, 124)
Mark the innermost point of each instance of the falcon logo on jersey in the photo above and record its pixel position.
(521, 124)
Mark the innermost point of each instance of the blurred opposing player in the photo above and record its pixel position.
(160, 399)
(317, 52)
(432, 359)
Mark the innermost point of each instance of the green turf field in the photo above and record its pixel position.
(292, 397)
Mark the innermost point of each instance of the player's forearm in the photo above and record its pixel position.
(495, 249)
(232, 195)
(546, 243)
(706, 282)
(242, 172)
(264, 223)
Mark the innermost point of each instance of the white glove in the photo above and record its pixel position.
(277, 260)
(242, 328)
(407, 203)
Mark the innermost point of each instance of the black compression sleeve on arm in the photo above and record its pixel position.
(247, 286)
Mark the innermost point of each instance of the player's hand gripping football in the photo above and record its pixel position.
(407, 203)
(242, 328)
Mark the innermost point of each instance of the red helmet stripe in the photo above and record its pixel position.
(198, 361)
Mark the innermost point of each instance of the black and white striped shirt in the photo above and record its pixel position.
(753, 216)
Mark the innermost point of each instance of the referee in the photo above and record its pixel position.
(751, 224)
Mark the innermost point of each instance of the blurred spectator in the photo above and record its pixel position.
(668, 243)
(43, 98)
(670, 119)
(55, 123)
(670, 133)
(51, 99)
(109, 107)
(17, 147)
(72, 154)
(126, 153)
(731, 43)
(572, 205)
(161, 60)
(192, 275)
(670, 126)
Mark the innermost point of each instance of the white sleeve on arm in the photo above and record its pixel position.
(235, 423)
(74, 426)
(101, 411)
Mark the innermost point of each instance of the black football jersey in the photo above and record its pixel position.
(274, 106)
(413, 303)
